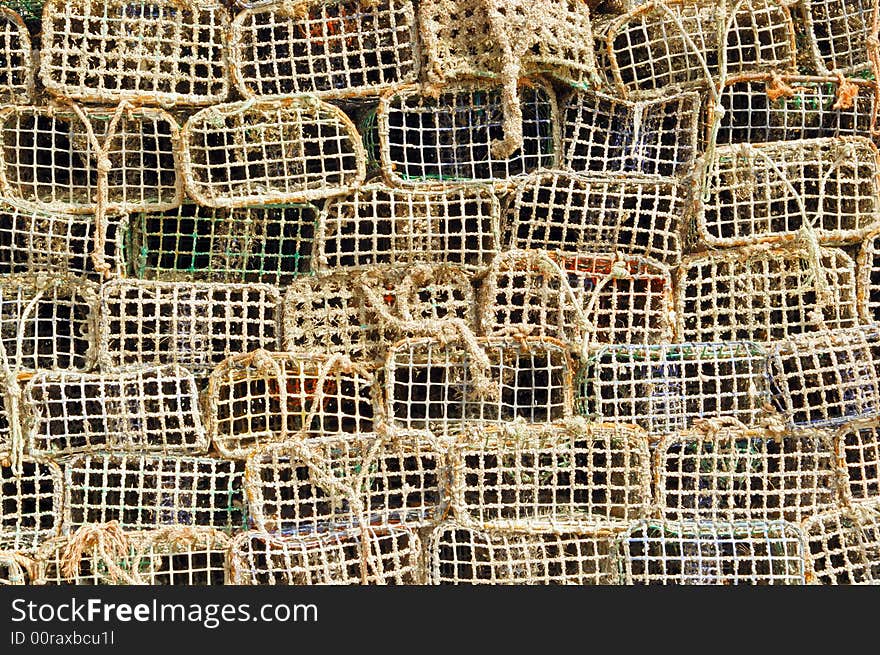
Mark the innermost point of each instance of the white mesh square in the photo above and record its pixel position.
(858, 450)
(30, 504)
(843, 545)
(16, 67)
(839, 32)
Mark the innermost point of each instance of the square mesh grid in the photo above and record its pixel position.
(14, 569)
(196, 325)
(665, 388)
(378, 224)
(558, 210)
(464, 556)
(152, 51)
(869, 278)
(375, 555)
(342, 48)
(844, 545)
(764, 294)
(260, 397)
(712, 553)
(152, 491)
(16, 67)
(30, 504)
(604, 134)
(839, 31)
(260, 152)
(270, 244)
(773, 191)
(858, 451)
(143, 410)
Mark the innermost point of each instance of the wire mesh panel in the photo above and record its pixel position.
(152, 491)
(14, 569)
(260, 397)
(558, 210)
(604, 134)
(30, 504)
(341, 47)
(869, 278)
(318, 484)
(764, 294)
(843, 546)
(449, 136)
(828, 378)
(196, 325)
(665, 388)
(774, 191)
(465, 556)
(153, 51)
(271, 244)
(287, 150)
(436, 386)
(737, 473)
(372, 555)
(16, 68)
(712, 553)
(141, 410)
(685, 43)
(840, 31)
(858, 451)
(378, 224)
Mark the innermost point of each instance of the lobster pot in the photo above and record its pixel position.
(839, 32)
(558, 210)
(869, 278)
(573, 476)
(30, 504)
(764, 294)
(154, 51)
(152, 491)
(16, 68)
(50, 158)
(843, 545)
(737, 474)
(47, 324)
(141, 410)
(287, 150)
(435, 140)
(316, 485)
(828, 378)
(195, 325)
(14, 569)
(858, 449)
(763, 109)
(604, 134)
(260, 397)
(190, 556)
(388, 555)
(431, 385)
(466, 556)
(665, 388)
(271, 245)
(774, 191)
(712, 553)
(341, 48)
(678, 43)
(378, 224)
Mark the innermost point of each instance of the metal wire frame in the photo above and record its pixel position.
(153, 491)
(15, 569)
(30, 505)
(858, 452)
(868, 278)
(574, 213)
(462, 555)
(16, 69)
(271, 151)
(712, 553)
(261, 397)
(329, 48)
(168, 52)
(665, 388)
(270, 244)
(369, 555)
(838, 33)
(843, 545)
(761, 293)
(141, 410)
(378, 224)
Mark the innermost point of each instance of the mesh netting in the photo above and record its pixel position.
(30, 504)
(869, 278)
(712, 553)
(381, 225)
(460, 555)
(338, 47)
(858, 452)
(665, 388)
(15, 569)
(16, 68)
(142, 410)
(258, 152)
(761, 294)
(195, 325)
(147, 491)
(372, 555)
(843, 546)
(839, 31)
(260, 397)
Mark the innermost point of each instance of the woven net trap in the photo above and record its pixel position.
(426, 292)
